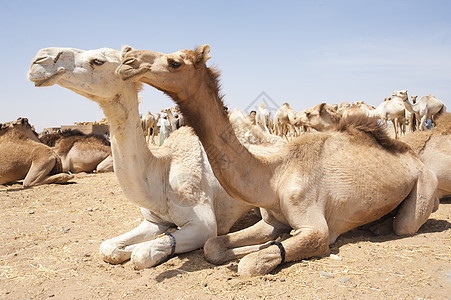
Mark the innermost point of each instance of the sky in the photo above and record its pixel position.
(300, 52)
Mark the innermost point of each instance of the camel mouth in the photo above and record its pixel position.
(127, 73)
(49, 80)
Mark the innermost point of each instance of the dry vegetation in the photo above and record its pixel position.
(50, 237)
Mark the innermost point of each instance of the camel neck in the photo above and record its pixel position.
(240, 173)
(138, 170)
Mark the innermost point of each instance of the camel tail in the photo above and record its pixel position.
(371, 126)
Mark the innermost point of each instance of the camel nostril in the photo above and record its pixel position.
(40, 59)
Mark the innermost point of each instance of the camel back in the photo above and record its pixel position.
(372, 127)
(68, 142)
(13, 127)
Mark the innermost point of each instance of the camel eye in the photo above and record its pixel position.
(97, 62)
(174, 64)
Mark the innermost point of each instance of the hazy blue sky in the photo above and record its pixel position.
(300, 52)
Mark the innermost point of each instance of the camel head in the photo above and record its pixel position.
(176, 73)
(401, 94)
(320, 117)
(89, 73)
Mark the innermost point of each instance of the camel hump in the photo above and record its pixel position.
(443, 123)
(372, 127)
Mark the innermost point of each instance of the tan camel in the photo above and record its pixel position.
(318, 186)
(149, 125)
(182, 202)
(434, 149)
(25, 157)
(80, 152)
(284, 121)
(428, 107)
(321, 117)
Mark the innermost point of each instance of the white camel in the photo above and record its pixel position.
(263, 118)
(182, 202)
(427, 107)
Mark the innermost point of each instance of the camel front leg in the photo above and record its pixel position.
(308, 241)
(238, 244)
(191, 236)
(39, 173)
(119, 249)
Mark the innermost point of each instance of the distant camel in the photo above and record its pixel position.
(80, 152)
(25, 157)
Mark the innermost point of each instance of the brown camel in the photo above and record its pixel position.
(316, 187)
(25, 157)
(80, 152)
(434, 149)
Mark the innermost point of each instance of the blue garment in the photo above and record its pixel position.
(428, 124)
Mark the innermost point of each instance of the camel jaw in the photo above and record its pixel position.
(49, 80)
(127, 73)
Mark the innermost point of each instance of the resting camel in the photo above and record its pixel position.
(317, 186)
(80, 152)
(434, 149)
(431, 146)
(182, 202)
(428, 107)
(25, 157)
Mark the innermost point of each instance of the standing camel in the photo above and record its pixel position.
(25, 157)
(317, 186)
(182, 202)
(149, 125)
(428, 107)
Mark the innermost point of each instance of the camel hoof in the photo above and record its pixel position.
(214, 250)
(111, 253)
(255, 264)
(147, 255)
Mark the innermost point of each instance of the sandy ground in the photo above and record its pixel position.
(50, 237)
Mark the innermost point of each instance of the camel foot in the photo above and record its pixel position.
(150, 254)
(382, 228)
(214, 250)
(259, 263)
(113, 253)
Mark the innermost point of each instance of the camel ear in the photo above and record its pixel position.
(124, 50)
(202, 54)
(322, 108)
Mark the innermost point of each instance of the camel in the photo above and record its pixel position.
(428, 107)
(433, 147)
(149, 125)
(80, 152)
(321, 117)
(263, 118)
(284, 121)
(315, 187)
(182, 202)
(391, 109)
(25, 157)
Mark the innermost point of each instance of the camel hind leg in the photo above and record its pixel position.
(417, 207)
